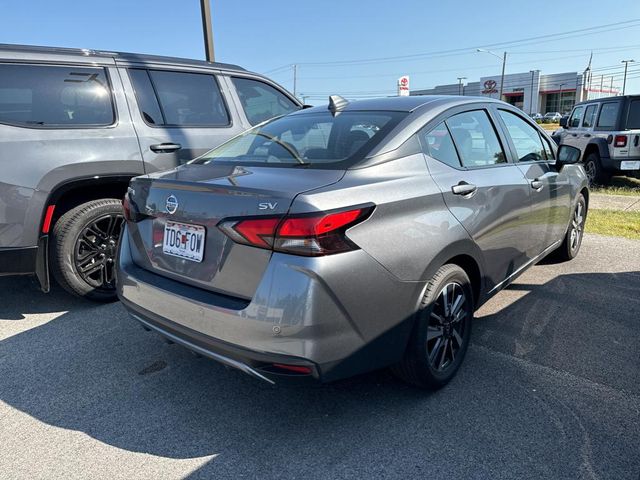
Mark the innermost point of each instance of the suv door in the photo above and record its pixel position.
(550, 192)
(180, 114)
(573, 130)
(487, 194)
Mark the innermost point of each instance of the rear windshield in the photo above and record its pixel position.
(313, 139)
(633, 120)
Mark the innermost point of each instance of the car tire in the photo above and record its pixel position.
(84, 247)
(595, 173)
(441, 331)
(573, 238)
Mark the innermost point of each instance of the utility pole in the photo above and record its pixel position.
(295, 78)
(205, 8)
(504, 62)
(533, 72)
(460, 84)
(624, 83)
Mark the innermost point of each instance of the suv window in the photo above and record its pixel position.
(437, 143)
(475, 139)
(260, 101)
(525, 138)
(590, 116)
(608, 115)
(576, 116)
(633, 119)
(185, 99)
(40, 95)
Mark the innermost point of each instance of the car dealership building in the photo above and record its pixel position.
(535, 92)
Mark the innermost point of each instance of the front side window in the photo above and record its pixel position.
(437, 143)
(475, 139)
(576, 116)
(590, 116)
(608, 115)
(260, 101)
(189, 99)
(315, 139)
(40, 95)
(525, 138)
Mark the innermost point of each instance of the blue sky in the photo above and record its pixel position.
(269, 36)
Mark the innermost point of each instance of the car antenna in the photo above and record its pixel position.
(337, 104)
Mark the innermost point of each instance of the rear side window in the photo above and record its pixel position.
(475, 139)
(576, 116)
(590, 116)
(437, 143)
(608, 115)
(41, 95)
(260, 101)
(633, 119)
(525, 138)
(182, 99)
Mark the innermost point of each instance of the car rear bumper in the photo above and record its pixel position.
(624, 165)
(298, 316)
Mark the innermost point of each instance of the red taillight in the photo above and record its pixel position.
(620, 141)
(126, 207)
(48, 216)
(311, 235)
(294, 368)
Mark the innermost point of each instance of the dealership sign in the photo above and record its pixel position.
(403, 86)
(490, 87)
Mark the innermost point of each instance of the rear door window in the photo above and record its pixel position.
(260, 101)
(476, 139)
(54, 96)
(146, 97)
(589, 119)
(189, 99)
(633, 119)
(608, 115)
(438, 144)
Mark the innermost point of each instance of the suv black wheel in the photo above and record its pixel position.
(441, 332)
(595, 173)
(84, 247)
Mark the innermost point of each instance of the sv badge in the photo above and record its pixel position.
(267, 206)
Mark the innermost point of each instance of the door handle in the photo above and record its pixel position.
(536, 184)
(574, 134)
(586, 135)
(165, 147)
(463, 188)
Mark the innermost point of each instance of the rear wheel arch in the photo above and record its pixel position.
(472, 269)
(598, 146)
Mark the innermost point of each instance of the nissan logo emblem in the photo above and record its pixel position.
(172, 204)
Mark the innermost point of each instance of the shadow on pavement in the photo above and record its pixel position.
(96, 371)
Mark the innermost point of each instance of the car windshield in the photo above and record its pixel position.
(314, 139)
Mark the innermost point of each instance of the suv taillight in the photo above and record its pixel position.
(306, 234)
(620, 141)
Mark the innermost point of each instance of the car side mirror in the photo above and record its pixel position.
(563, 122)
(567, 155)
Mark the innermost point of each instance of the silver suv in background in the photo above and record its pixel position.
(607, 132)
(77, 125)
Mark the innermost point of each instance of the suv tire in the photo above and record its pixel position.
(84, 248)
(595, 173)
(441, 332)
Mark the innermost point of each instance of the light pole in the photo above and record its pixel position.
(560, 98)
(207, 30)
(533, 72)
(460, 84)
(504, 62)
(626, 65)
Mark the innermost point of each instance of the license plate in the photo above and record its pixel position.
(184, 241)
(630, 165)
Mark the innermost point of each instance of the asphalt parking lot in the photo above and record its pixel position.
(550, 389)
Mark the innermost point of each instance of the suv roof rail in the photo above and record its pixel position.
(134, 57)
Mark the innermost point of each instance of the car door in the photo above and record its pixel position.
(550, 191)
(180, 114)
(486, 193)
(573, 131)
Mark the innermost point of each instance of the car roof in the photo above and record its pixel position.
(401, 104)
(118, 56)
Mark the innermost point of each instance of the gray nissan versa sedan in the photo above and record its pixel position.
(333, 241)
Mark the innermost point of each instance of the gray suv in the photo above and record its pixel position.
(337, 240)
(77, 125)
(607, 132)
